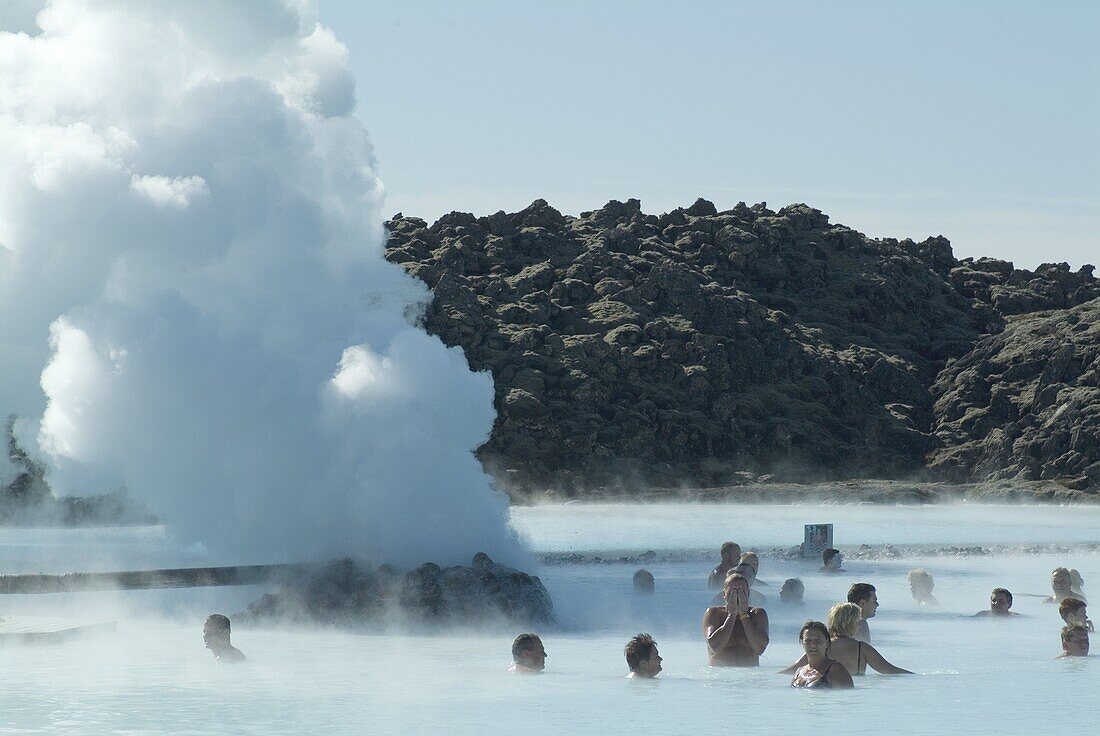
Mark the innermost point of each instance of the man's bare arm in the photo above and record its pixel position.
(718, 635)
(756, 629)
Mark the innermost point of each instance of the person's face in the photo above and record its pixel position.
(998, 602)
(869, 605)
(738, 592)
(835, 561)
(650, 667)
(1060, 581)
(733, 556)
(814, 643)
(535, 657)
(214, 636)
(1076, 644)
(790, 594)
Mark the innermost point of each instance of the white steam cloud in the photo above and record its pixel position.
(193, 297)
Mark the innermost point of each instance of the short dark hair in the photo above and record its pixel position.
(1007, 594)
(828, 554)
(638, 650)
(217, 621)
(814, 626)
(794, 584)
(524, 643)
(1070, 605)
(729, 547)
(643, 579)
(860, 592)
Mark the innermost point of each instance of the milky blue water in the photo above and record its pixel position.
(975, 676)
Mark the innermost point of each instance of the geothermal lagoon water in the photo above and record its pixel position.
(975, 676)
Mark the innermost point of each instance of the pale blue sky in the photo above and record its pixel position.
(974, 120)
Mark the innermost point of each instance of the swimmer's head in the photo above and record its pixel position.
(1061, 582)
(643, 581)
(1073, 611)
(731, 552)
(750, 558)
(814, 638)
(920, 584)
(1000, 600)
(832, 558)
(642, 656)
(792, 591)
(743, 568)
(735, 583)
(865, 596)
(1077, 583)
(528, 652)
(215, 631)
(1075, 641)
(843, 619)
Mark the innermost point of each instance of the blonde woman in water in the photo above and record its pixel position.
(855, 655)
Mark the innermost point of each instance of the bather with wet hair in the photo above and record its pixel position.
(1075, 613)
(831, 561)
(792, 592)
(920, 586)
(528, 654)
(736, 633)
(731, 555)
(643, 581)
(215, 635)
(819, 671)
(865, 596)
(1000, 601)
(642, 657)
(855, 655)
(1075, 642)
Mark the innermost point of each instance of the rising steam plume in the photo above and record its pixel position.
(193, 299)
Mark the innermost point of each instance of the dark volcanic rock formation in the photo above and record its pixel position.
(1025, 403)
(351, 594)
(700, 346)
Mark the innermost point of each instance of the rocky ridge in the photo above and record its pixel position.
(701, 347)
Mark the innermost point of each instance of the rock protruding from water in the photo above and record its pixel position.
(705, 347)
(353, 594)
(1025, 403)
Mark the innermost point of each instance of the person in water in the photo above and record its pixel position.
(1075, 641)
(736, 633)
(642, 657)
(792, 592)
(855, 655)
(215, 635)
(819, 671)
(920, 586)
(731, 555)
(831, 560)
(752, 559)
(643, 581)
(528, 654)
(865, 596)
(1075, 613)
(1061, 583)
(1000, 600)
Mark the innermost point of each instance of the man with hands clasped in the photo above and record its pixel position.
(736, 633)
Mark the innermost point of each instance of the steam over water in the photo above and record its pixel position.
(974, 676)
(193, 301)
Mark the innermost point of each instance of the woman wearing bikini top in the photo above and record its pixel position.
(819, 671)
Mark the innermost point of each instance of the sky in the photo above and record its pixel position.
(972, 120)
